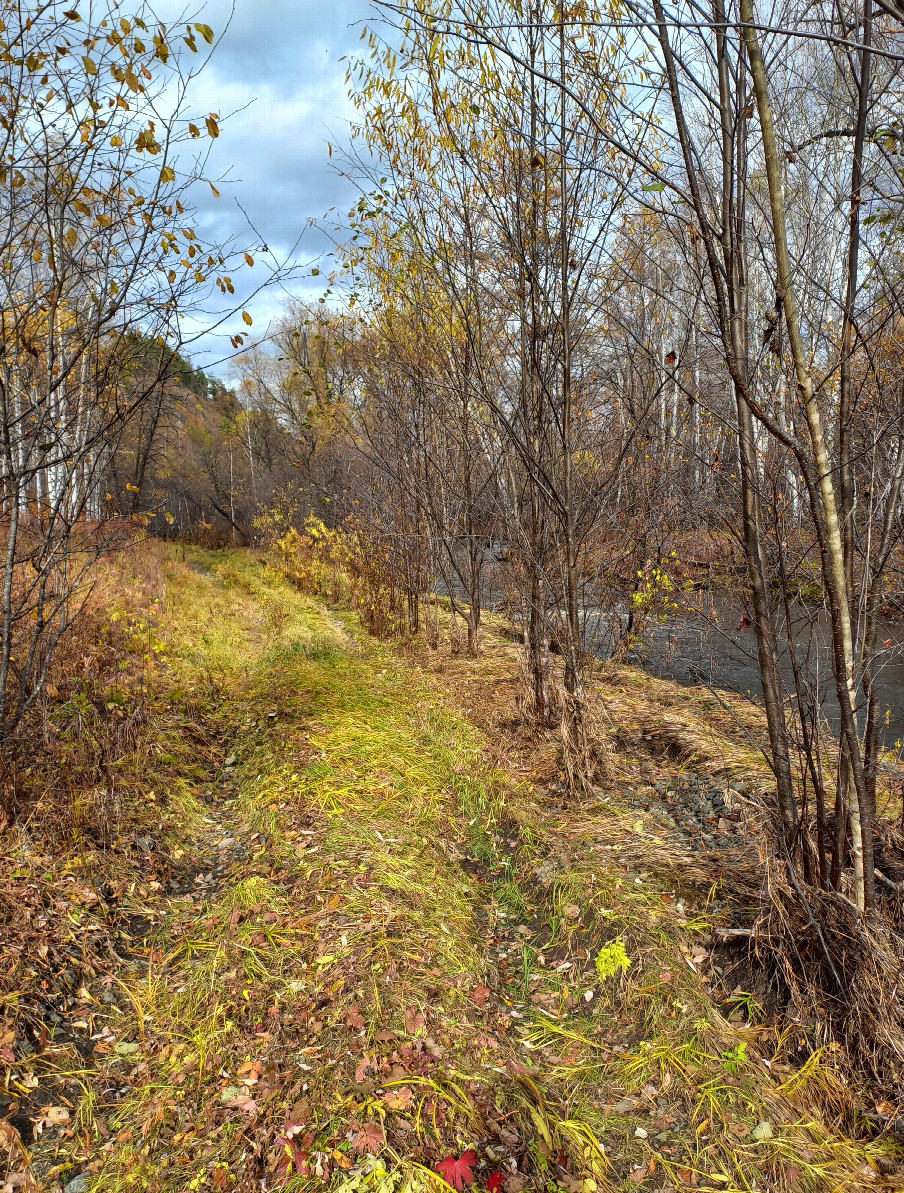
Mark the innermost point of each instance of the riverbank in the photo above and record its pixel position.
(350, 927)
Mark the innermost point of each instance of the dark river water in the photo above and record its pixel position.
(712, 642)
(721, 650)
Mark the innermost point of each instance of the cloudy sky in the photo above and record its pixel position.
(278, 69)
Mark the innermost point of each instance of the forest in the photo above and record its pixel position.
(455, 738)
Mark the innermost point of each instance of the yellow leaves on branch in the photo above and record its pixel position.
(247, 318)
(213, 128)
(147, 141)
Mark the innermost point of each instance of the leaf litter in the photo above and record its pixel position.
(369, 966)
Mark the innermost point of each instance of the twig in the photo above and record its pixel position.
(822, 939)
(895, 886)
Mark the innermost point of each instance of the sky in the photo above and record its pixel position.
(277, 68)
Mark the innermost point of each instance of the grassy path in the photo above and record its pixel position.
(371, 950)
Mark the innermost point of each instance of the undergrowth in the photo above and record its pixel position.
(371, 947)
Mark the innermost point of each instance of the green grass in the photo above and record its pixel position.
(363, 960)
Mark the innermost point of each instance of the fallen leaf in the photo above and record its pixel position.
(57, 1115)
(298, 1115)
(244, 1103)
(482, 1040)
(639, 1174)
(480, 994)
(572, 911)
(354, 1018)
(458, 1173)
(413, 1020)
(568, 1182)
(364, 1064)
(494, 1181)
(398, 1099)
(292, 1154)
(368, 1139)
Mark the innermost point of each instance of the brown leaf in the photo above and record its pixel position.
(639, 1174)
(398, 1099)
(298, 1115)
(353, 1017)
(364, 1064)
(244, 1103)
(480, 994)
(482, 1040)
(368, 1139)
(414, 1020)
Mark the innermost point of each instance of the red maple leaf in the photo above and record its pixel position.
(460, 1172)
(497, 1179)
(291, 1154)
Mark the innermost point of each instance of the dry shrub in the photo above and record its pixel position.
(354, 563)
(60, 769)
(844, 973)
(584, 755)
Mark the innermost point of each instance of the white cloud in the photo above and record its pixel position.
(278, 69)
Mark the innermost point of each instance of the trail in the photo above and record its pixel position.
(378, 942)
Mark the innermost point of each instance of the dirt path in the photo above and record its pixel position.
(373, 942)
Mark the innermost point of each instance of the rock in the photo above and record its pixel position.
(79, 1184)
